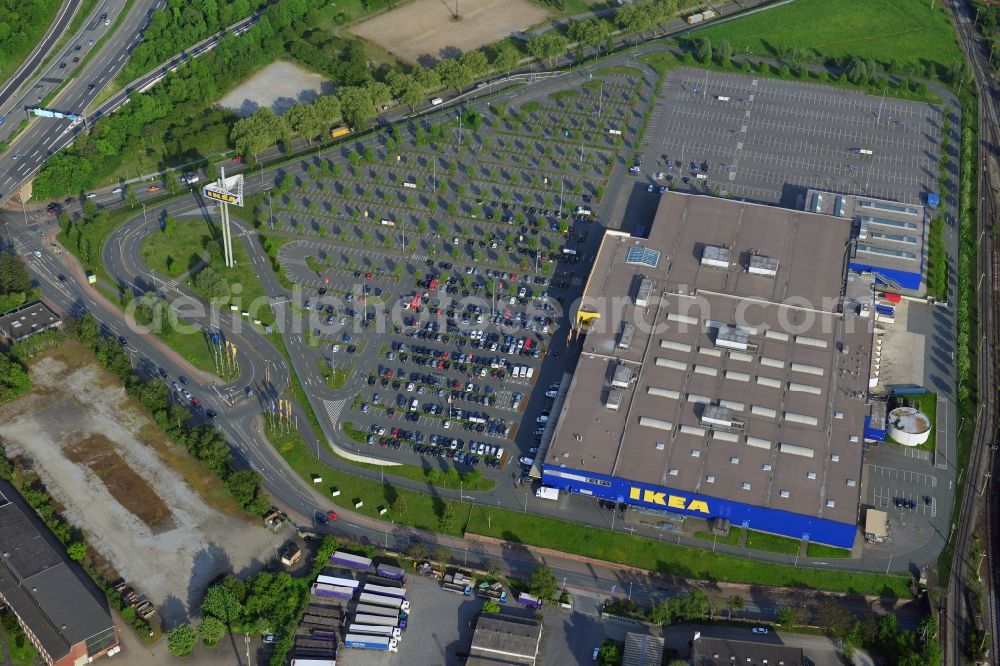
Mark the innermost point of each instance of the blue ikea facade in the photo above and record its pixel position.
(762, 519)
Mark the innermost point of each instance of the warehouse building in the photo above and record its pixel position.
(26, 321)
(707, 651)
(889, 238)
(505, 639)
(60, 610)
(724, 371)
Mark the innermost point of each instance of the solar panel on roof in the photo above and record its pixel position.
(643, 255)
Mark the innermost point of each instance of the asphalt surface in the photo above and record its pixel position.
(26, 70)
(81, 84)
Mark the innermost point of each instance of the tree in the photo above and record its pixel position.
(857, 72)
(211, 630)
(491, 606)
(610, 654)
(735, 604)
(405, 88)
(506, 58)
(453, 73)
(356, 106)
(441, 553)
(724, 52)
(14, 276)
(835, 620)
(475, 62)
(379, 93)
(221, 603)
(181, 641)
(547, 46)
(252, 135)
(703, 50)
(543, 582)
(76, 551)
(418, 551)
(784, 616)
(308, 120)
(589, 32)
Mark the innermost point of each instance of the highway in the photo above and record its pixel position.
(27, 69)
(45, 136)
(960, 616)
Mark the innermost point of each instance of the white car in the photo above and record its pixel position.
(551, 393)
(526, 461)
(447, 424)
(759, 630)
(335, 349)
(117, 190)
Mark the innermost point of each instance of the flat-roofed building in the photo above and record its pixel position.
(505, 639)
(746, 383)
(707, 651)
(60, 610)
(27, 320)
(889, 238)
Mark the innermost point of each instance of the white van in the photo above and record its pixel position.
(436, 101)
(414, 405)
(531, 373)
(615, 132)
(701, 176)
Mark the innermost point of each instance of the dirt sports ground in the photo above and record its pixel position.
(424, 31)
(117, 477)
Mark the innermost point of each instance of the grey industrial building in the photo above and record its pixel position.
(724, 371)
(707, 651)
(27, 320)
(889, 238)
(642, 650)
(62, 612)
(505, 639)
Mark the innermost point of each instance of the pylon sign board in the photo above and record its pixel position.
(211, 192)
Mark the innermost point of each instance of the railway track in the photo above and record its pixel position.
(961, 615)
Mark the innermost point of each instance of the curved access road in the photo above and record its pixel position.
(27, 68)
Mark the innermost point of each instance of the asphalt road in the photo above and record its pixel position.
(27, 68)
(45, 136)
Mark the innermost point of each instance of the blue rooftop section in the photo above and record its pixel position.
(905, 279)
(873, 433)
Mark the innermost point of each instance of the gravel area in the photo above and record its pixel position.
(279, 86)
(146, 520)
(424, 31)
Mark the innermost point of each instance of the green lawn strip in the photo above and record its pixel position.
(816, 550)
(731, 539)
(905, 32)
(772, 543)
(409, 507)
(335, 378)
(619, 69)
(937, 261)
(926, 403)
(670, 559)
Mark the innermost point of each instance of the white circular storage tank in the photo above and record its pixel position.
(909, 426)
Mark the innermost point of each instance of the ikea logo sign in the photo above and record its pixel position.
(669, 501)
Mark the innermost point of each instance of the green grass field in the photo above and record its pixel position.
(671, 559)
(772, 543)
(731, 539)
(819, 550)
(907, 31)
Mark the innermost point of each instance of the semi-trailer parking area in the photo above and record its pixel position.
(769, 140)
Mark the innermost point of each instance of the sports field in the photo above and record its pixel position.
(425, 31)
(907, 31)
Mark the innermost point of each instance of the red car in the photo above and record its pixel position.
(332, 515)
(368, 276)
(238, 158)
(195, 402)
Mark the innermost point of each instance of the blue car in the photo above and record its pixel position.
(345, 338)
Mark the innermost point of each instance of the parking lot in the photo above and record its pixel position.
(433, 268)
(769, 140)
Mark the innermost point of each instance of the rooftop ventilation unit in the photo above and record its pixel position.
(715, 257)
(717, 415)
(863, 228)
(645, 289)
(623, 375)
(732, 338)
(644, 256)
(614, 400)
(761, 265)
(625, 338)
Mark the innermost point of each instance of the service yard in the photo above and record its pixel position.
(425, 31)
(131, 492)
(277, 86)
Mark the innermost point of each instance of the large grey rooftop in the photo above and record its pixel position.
(768, 351)
(506, 639)
(60, 605)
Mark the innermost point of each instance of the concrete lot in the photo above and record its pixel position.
(425, 31)
(277, 86)
(769, 140)
(93, 448)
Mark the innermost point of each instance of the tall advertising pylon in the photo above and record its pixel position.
(226, 191)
